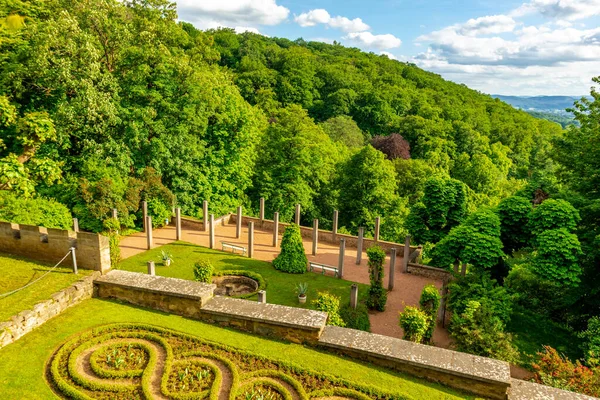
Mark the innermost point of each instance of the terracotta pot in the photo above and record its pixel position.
(302, 299)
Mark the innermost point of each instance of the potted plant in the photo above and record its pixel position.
(301, 289)
(166, 258)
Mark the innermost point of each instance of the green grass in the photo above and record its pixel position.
(280, 286)
(22, 366)
(533, 331)
(17, 272)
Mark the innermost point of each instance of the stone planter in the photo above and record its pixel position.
(301, 299)
(166, 263)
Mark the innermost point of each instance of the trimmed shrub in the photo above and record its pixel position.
(430, 304)
(356, 318)
(415, 323)
(292, 258)
(36, 211)
(377, 294)
(331, 305)
(203, 271)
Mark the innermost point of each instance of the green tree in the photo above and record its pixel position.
(343, 129)
(442, 207)
(556, 257)
(554, 214)
(514, 213)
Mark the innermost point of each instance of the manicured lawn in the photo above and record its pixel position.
(280, 286)
(22, 366)
(532, 332)
(17, 272)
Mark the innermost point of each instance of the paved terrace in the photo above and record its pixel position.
(407, 287)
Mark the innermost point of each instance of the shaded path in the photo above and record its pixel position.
(407, 287)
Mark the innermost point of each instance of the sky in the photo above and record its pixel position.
(509, 47)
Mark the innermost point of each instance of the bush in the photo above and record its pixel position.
(478, 331)
(430, 304)
(415, 323)
(356, 318)
(203, 271)
(292, 258)
(34, 211)
(159, 212)
(112, 230)
(555, 370)
(591, 345)
(331, 305)
(377, 294)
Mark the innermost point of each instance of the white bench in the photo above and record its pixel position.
(324, 267)
(233, 247)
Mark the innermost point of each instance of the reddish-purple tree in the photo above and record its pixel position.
(393, 146)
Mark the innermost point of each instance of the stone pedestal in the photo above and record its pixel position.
(406, 253)
(211, 228)
(262, 296)
(75, 225)
(341, 258)
(315, 237)
(377, 226)
(145, 215)
(178, 223)
(359, 245)
(275, 229)
(151, 268)
(354, 295)
(261, 210)
(74, 257)
(205, 215)
(238, 223)
(297, 216)
(250, 239)
(392, 268)
(115, 214)
(335, 225)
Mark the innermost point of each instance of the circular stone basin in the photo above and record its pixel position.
(234, 285)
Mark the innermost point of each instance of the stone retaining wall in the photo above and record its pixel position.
(429, 272)
(25, 321)
(50, 245)
(324, 236)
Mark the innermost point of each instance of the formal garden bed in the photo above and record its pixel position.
(18, 272)
(143, 352)
(280, 286)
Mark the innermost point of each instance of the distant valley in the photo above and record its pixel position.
(551, 108)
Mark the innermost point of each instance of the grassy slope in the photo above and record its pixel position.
(17, 272)
(21, 369)
(280, 286)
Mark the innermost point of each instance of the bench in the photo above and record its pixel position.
(324, 267)
(233, 247)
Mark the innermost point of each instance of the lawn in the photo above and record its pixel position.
(280, 286)
(533, 331)
(17, 272)
(23, 362)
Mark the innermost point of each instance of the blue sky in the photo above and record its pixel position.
(524, 47)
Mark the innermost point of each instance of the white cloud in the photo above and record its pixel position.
(321, 16)
(242, 29)
(492, 24)
(208, 14)
(381, 42)
(388, 55)
(561, 9)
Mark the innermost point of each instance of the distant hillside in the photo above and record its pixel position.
(539, 103)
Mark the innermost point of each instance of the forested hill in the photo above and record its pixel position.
(106, 103)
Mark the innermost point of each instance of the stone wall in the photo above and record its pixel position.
(429, 272)
(50, 245)
(324, 236)
(28, 320)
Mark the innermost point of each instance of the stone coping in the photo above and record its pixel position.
(265, 312)
(158, 284)
(402, 351)
(523, 390)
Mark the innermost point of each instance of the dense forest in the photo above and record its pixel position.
(107, 103)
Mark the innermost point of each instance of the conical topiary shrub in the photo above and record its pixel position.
(292, 258)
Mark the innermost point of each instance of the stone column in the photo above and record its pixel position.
(145, 215)
(149, 233)
(341, 259)
(261, 211)
(250, 239)
(335, 225)
(377, 225)
(151, 268)
(392, 268)
(354, 295)
(262, 296)
(211, 228)
(205, 215)
(275, 229)
(74, 257)
(115, 214)
(315, 238)
(406, 253)
(75, 225)
(178, 223)
(297, 217)
(238, 226)
(359, 245)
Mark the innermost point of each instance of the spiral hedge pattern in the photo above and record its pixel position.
(125, 361)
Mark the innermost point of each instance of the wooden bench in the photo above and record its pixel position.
(324, 267)
(233, 247)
